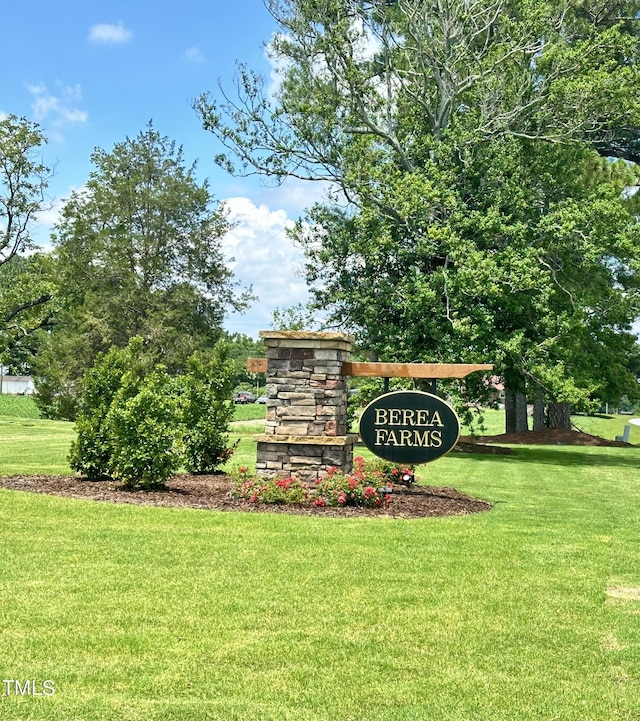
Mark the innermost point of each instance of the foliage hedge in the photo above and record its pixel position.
(139, 425)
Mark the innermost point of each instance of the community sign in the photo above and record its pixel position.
(409, 427)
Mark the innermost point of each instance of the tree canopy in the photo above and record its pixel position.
(477, 214)
(363, 73)
(26, 290)
(138, 253)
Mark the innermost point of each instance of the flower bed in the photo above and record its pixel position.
(368, 486)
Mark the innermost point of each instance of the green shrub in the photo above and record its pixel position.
(117, 371)
(207, 412)
(144, 433)
(140, 425)
(90, 452)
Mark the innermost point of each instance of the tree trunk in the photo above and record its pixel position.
(538, 411)
(509, 410)
(522, 422)
(515, 411)
(560, 416)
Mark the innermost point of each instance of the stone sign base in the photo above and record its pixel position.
(306, 428)
(303, 457)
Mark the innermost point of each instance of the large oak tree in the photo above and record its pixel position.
(464, 138)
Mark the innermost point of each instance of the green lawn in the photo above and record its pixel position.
(529, 611)
(249, 411)
(32, 446)
(18, 407)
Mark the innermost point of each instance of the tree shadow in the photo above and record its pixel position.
(570, 456)
(604, 416)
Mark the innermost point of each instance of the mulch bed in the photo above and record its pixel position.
(211, 492)
(550, 437)
(547, 437)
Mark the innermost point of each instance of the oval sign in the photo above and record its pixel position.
(409, 427)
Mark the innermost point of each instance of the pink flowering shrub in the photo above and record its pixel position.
(269, 490)
(365, 486)
(369, 485)
(393, 473)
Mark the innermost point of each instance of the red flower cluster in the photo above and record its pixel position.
(367, 485)
(362, 487)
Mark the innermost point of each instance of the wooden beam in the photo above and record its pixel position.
(394, 370)
(257, 365)
(414, 370)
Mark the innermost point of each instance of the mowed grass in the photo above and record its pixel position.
(528, 611)
(29, 445)
(32, 446)
(18, 407)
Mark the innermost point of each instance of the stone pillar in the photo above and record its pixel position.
(306, 425)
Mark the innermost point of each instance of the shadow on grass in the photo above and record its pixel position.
(604, 416)
(569, 456)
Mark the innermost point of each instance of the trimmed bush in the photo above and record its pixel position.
(117, 371)
(207, 412)
(144, 433)
(141, 426)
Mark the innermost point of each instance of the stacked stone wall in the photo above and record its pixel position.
(306, 424)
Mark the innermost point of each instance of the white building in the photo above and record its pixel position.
(16, 385)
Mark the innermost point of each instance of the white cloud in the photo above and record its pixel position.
(57, 111)
(107, 33)
(294, 194)
(265, 258)
(279, 66)
(49, 216)
(193, 55)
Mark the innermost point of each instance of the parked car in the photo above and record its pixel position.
(244, 397)
(261, 399)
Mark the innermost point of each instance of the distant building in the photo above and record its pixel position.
(496, 392)
(16, 385)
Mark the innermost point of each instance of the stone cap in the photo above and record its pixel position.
(306, 335)
(308, 440)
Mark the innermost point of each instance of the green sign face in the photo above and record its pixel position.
(409, 427)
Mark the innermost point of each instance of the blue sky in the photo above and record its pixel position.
(93, 72)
